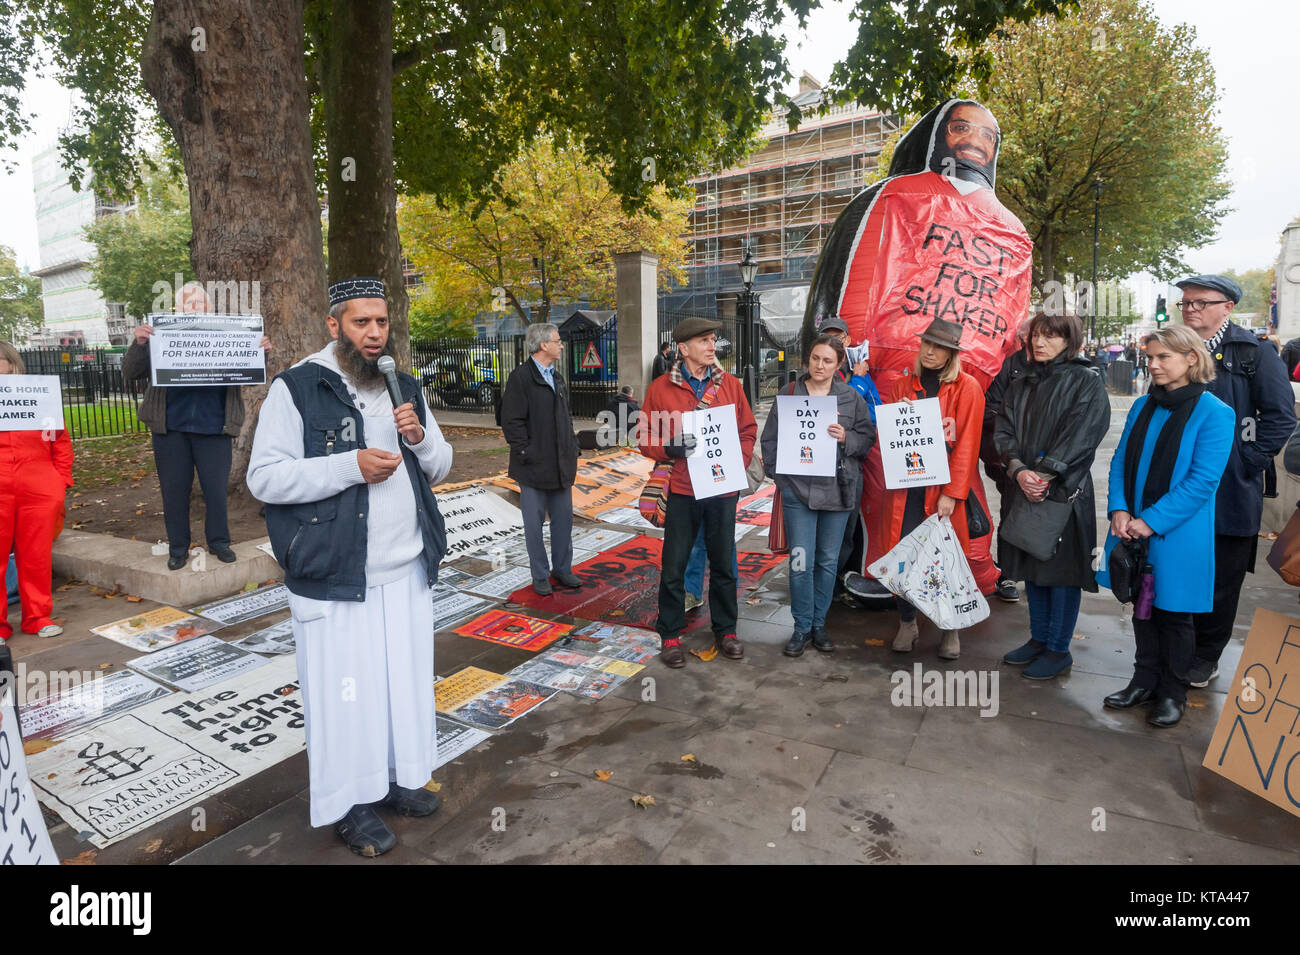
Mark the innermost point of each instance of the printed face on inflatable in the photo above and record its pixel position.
(931, 241)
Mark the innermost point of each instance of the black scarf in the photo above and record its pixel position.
(1180, 403)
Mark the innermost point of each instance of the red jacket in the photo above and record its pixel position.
(27, 457)
(661, 415)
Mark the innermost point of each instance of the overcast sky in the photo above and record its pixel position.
(1251, 43)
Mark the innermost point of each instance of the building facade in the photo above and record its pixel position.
(75, 312)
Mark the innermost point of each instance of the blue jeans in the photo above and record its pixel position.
(814, 538)
(699, 560)
(11, 581)
(1053, 612)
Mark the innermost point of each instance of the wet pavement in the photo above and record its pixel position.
(794, 760)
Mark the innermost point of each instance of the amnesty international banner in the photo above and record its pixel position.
(1255, 743)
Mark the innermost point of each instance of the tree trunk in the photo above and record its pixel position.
(357, 84)
(228, 78)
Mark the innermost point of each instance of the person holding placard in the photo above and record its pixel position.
(1049, 423)
(696, 390)
(817, 508)
(34, 480)
(193, 428)
(937, 374)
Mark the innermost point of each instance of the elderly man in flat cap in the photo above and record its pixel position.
(345, 478)
(1249, 377)
(693, 382)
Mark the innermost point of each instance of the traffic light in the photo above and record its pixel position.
(1162, 311)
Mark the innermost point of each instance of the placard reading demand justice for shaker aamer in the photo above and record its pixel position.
(30, 403)
(716, 466)
(912, 448)
(203, 349)
(803, 445)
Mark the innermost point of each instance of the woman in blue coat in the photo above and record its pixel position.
(1163, 479)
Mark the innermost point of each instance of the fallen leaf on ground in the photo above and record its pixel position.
(689, 758)
(1270, 536)
(643, 800)
(874, 643)
(705, 655)
(65, 587)
(131, 599)
(604, 774)
(85, 858)
(1195, 705)
(979, 849)
(33, 746)
(51, 775)
(432, 786)
(268, 583)
(152, 846)
(838, 725)
(105, 666)
(249, 586)
(754, 600)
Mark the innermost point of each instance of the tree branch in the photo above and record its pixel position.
(438, 43)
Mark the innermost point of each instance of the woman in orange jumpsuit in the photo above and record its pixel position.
(937, 374)
(35, 473)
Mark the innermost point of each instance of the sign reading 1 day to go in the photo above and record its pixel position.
(803, 445)
(716, 466)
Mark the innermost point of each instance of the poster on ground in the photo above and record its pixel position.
(155, 629)
(246, 606)
(24, 839)
(804, 446)
(717, 466)
(454, 739)
(192, 349)
(1255, 743)
(197, 663)
(500, 584)
(912, 447)
(30, 403)
(122, 775)
(477, 519)
(66, 712)
(452, 606)
(514, 630)
(275, 639)
(756, 510)
(502, 704)
(628, 516)
(454, 691)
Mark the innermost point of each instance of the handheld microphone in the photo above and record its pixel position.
(388, 368)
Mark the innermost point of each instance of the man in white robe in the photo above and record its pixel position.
(356, 529)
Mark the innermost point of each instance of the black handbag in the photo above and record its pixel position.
(1127, 560)
(977, 522)
(1035, 527)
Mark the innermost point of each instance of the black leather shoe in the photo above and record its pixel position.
(1129, 696)
(1166, 712)
(542, 588)
(410, 802)
(224, 553)
(176, 563)
(795, 647)
(6, 659)
(567, 579)
(821, 640)
(365, 833)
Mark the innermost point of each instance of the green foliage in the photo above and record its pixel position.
(134, 250)
(1256, 289)
(1108, 93)
(431, 315)
(21, 308)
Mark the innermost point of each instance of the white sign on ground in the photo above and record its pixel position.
(716, 467)
(454, 739)
(912, 448)
(23, 837)
(451, 606)
(69, 711)
(275, 639)
(246, 606)
(30, 403)
(476, 519)
(500, 583)
(197, 663)
(803, 445)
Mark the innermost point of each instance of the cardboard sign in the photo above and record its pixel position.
(30, 403)
(803, 445)
(912, 448)
(1255, 743)
(23, 838)
(717, 466)
(206, 350)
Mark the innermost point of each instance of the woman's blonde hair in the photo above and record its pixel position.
(15, 360)
(1184, 341)
(948, 373)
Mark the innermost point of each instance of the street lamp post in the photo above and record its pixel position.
(748, 271)
(1096, 220)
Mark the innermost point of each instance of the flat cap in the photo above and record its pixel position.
(832, 324)
(689, 328)
(1220, 283)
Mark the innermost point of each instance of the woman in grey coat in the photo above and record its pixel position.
(816, 509)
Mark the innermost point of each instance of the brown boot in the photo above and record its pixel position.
(950, 645)
(673, 655)
(730, 645)
(908, 633)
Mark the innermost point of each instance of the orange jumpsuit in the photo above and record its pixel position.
(35, 474)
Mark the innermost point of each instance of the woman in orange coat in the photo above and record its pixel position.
(35, 473)
(937, 373)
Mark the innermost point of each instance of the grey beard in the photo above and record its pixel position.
(355, 365)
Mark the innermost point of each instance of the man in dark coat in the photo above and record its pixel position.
(662, 361)
(1252, 380)
(543, 455)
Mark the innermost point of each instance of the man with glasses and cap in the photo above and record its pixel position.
(345, 478)
(1253, 381)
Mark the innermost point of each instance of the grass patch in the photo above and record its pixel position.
(100, 419)
(109, 462)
